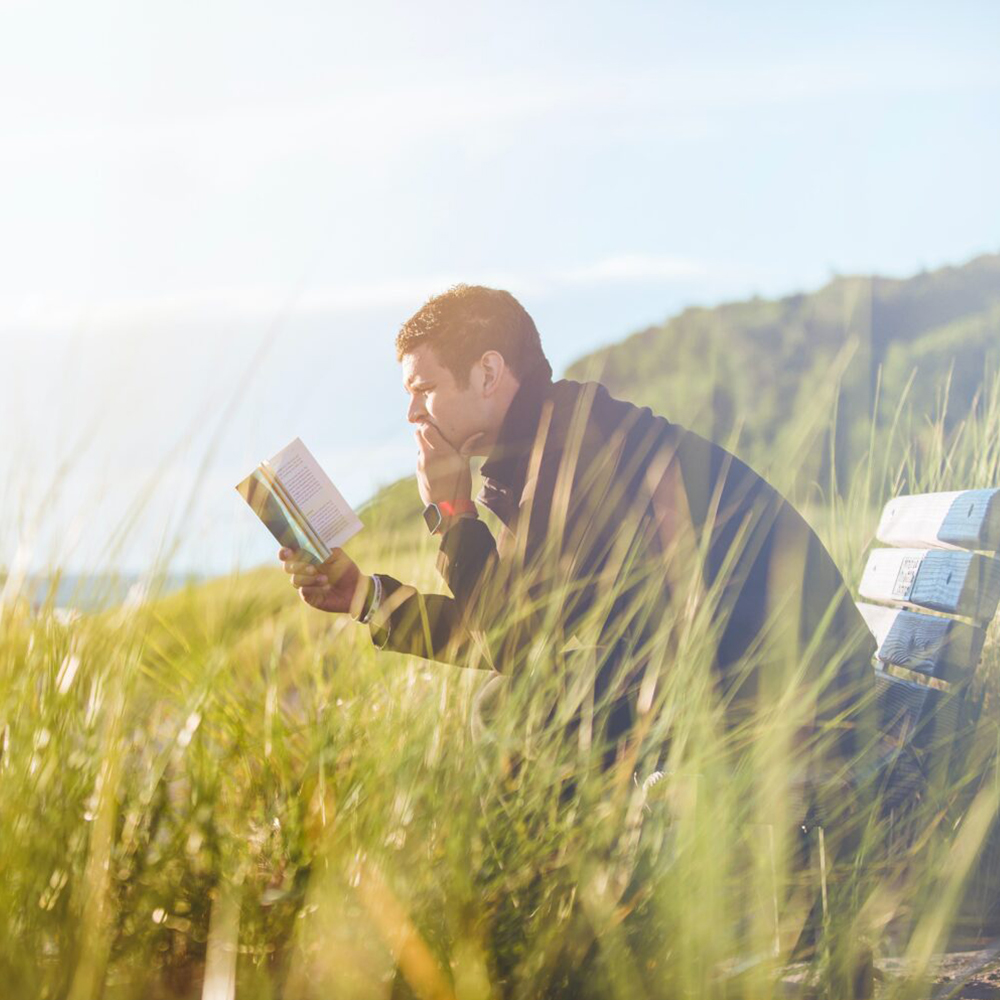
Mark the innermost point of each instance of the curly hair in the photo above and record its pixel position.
(464, 322)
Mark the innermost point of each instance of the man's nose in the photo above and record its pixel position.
(415, 412)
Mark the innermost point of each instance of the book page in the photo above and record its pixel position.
(265, 470)
(277, 517)
(329, 515)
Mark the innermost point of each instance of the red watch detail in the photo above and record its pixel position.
(461, 507)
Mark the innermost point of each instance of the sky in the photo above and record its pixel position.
(215, 216)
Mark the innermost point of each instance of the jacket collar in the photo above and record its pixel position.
(507, 461)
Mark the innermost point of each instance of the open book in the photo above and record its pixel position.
(298, 504)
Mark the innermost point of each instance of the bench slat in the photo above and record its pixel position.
(937, 647)
(966, 519)
(954, 582)
(916, 714)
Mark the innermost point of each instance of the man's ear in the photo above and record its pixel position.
(494, 368)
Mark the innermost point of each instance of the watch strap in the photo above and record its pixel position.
(459, 507)
(435, 513)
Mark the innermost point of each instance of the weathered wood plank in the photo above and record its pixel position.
(914, 713)
(936, 647)
(954, 582)
(966, 519)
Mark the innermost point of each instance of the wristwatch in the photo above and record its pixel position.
(435, 513)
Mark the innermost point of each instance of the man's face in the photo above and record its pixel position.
(435, 397)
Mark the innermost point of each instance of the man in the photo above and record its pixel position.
(616, 530)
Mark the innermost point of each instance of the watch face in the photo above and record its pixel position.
(432, 517)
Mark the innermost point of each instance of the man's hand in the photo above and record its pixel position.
(337, 585)
(443, 470)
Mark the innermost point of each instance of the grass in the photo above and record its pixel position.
(224, 791)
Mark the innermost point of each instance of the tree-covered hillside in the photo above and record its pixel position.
(755, 367)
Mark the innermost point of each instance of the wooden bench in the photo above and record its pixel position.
(938, 587)
(928, 600)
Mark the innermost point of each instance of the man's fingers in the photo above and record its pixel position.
(434, 438)
(285, 554)
(303, 580)
(300, 568)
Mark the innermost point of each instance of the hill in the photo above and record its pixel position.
(753, 368)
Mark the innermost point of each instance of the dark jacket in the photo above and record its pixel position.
(608, 506)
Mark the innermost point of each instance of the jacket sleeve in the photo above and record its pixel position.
(434, 626)
(482, 625)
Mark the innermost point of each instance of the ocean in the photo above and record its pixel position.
(86, 592)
